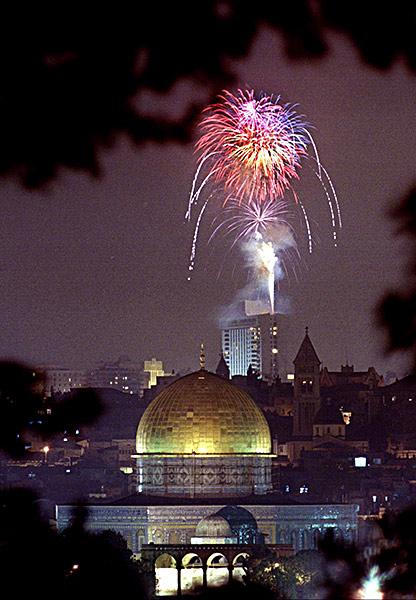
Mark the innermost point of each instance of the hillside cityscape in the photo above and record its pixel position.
(339, 451)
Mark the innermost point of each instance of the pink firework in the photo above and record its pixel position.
(254, 146)
(250, 151)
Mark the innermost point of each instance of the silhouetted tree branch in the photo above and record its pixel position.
(70, 79)
(38, 561)
(397, 310)
(24, 408)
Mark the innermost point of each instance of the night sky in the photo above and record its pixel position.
(95, 268)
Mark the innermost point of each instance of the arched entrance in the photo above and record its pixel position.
(191, 573)
(166, 575)
(317, 535)
(217, 570)
(238, 562)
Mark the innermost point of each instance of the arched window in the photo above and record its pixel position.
(174, 537)
(316, 537)
(217, 571)
(157, 536)
(141, 538)
(294, 539)
(306, 385)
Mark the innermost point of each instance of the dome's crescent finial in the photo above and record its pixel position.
(202, 357)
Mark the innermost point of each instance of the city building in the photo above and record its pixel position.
(154, 369)
(208, 436)
(306, 388)
(62, 379)
(123, 374)
(256, 341)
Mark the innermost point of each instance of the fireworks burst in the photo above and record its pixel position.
(250, 152)
(243, 220)
(254, 145)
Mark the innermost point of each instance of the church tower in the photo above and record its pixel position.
(222, 368)
(306, 399)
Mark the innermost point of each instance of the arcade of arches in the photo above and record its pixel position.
(185, 569)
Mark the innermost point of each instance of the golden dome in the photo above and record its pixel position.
(202, 413)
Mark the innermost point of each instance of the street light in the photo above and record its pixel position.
(45, 450)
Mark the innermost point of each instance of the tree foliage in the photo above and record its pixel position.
(37, 561)
(73, 80)
(288, 577)
(397, 310)
(24, 410)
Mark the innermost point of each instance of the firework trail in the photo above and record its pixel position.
(195, 238)
(264, 234)
(263, 257)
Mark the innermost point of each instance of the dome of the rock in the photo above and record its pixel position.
(203, 436)
(202, 413)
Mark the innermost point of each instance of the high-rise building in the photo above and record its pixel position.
(254, 340)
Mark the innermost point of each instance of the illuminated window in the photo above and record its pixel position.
(307, 386)
(346, 416)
